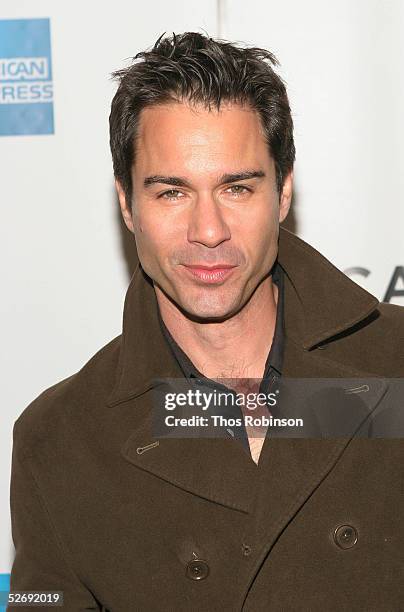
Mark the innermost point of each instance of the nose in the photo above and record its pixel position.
(207, 224)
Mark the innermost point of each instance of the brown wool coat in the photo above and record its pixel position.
(195, 525)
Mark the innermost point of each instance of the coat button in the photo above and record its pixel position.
(197, 569)
(345, 536)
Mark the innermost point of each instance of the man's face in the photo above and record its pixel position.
(205, 236)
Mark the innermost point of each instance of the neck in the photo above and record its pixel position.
(235, 348)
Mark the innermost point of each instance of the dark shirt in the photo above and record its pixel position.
(273, 364)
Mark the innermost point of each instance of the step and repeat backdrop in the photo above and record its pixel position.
(67, 257)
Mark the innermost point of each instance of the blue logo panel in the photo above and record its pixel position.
(26, 87)
(4, 590)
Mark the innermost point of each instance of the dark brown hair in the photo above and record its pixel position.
(192, 67)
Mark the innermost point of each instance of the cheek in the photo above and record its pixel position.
(153, 238)
(257, 229)
(259, 237)
(153, 220)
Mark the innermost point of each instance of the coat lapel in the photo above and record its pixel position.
(216, 469)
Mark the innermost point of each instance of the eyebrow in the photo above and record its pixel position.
(178, 181)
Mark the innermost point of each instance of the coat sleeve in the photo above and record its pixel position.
(40, 562)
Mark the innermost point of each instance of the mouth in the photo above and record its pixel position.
(210, 274)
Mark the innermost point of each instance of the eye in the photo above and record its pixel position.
(239, 189)
(171, 194)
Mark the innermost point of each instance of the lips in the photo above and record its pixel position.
(210, 274)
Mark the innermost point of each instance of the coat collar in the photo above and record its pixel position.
(218, 469)
(320, 302)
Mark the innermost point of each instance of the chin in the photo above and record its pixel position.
(202, 304)
(206, 310)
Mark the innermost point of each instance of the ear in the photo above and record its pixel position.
(286, 197)
(125, 209)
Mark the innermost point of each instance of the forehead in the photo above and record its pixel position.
(198, 139)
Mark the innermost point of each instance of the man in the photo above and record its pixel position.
(121, 519)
